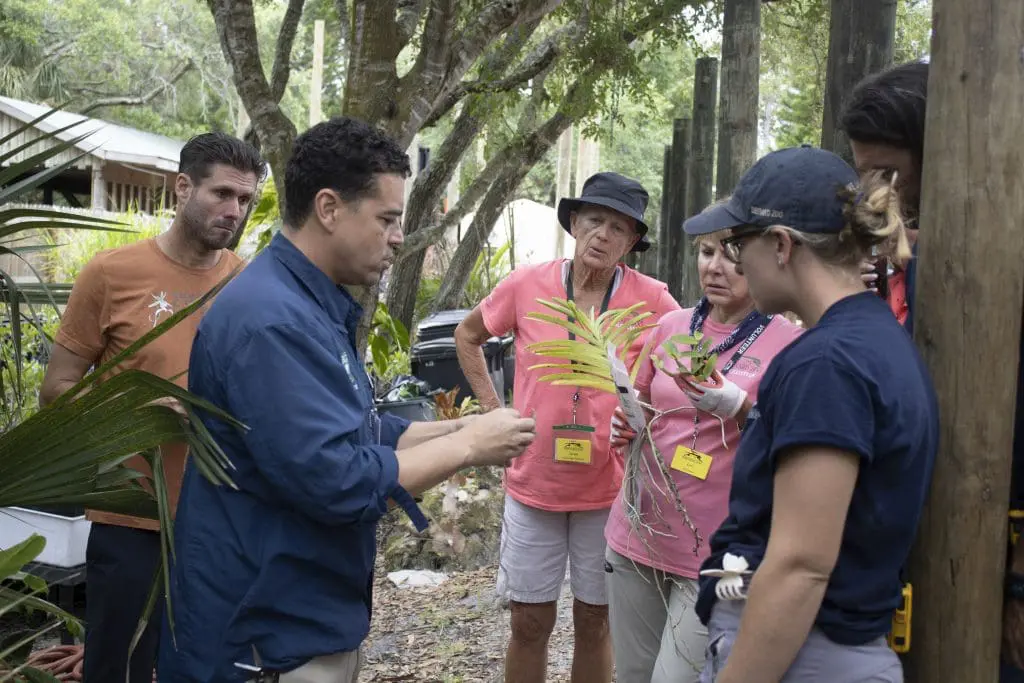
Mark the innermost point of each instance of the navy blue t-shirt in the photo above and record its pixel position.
(855, 382)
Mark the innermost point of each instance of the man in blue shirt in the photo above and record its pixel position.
(885, 121)
(281, 567)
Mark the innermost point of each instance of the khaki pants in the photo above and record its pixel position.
(340, 668)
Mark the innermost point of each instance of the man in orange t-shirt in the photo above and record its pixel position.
(120, 295)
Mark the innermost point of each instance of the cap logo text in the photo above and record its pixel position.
(766, 213)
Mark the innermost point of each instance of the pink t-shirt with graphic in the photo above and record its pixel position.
(535, 478)
(669, 544)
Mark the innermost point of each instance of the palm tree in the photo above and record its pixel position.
(72, 452)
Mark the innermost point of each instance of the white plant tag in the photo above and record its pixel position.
(627, 395)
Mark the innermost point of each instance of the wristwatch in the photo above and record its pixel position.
(1014, 586)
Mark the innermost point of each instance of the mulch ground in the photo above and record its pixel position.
(454, 633)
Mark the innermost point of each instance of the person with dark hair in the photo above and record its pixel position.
(119, 296)
(276, 572)
(830, 478)
(885, 121)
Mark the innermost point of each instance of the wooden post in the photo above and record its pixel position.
(661, 260)
(967, 324)
(316, 79)
(860, 43)
(98, 188)
(741, 72)
(702, 165)
(677, 207)
(563, 180)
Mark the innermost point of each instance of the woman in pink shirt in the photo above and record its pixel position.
(652, 567)
(559, 492)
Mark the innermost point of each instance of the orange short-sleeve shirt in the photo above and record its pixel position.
(119, 296)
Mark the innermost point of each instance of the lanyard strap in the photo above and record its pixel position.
(747, 343)
(604, 303)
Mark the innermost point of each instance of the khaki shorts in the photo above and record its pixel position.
(340, 668)
(537, 544)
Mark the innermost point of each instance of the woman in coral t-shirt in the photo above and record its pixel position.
(652, 565)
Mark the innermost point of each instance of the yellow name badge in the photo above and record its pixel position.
(689, 461)
(572, 443)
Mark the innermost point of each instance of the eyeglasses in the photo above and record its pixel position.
(733, 245)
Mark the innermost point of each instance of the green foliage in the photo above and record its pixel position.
(20, 593)
(19, 396)
(794, 60)
(72, 251)
(696, 349)
(489, 269)
(72, 451)
(388, 347)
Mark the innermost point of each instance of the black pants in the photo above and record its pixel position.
(120, 564)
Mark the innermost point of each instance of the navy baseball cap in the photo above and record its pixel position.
(798, 187)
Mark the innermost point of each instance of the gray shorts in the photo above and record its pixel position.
(819, 660)
(656, 634)
(340, 668)
(535, 546)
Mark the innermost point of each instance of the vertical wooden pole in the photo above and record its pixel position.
(316, 80)
(677, 208)
(98, 188)
(967, 324)
(702, 165)
(741, 72)
(661, 260)
(860, 43)
(563, 180)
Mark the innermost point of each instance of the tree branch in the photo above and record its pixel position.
(462, 49)
(145, 98)
(409, 14)
(370, 84)
(542, 57)
(236, 28)
(527, 152)
(283, 53)
(345, 19)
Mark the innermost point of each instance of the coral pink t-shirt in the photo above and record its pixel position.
(668, 543)
(535, 478)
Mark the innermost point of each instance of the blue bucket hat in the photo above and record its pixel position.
(612, 191)
(799, 187)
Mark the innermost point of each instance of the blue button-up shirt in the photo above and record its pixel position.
(284, 563)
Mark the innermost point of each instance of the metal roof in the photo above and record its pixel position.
(108, 141)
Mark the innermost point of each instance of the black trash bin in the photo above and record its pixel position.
(436, 363)
(440, 325)
(415, 409)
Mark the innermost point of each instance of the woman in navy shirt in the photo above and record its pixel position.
(837, 455)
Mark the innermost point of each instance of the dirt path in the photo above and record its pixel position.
(455, 633)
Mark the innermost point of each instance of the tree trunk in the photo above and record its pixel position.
(679, 177)
(860, 43)
(702, 163)
(532, 150)
(661, 261)
(236, 27)
(432, 183)
(372, 79)
(423, 202)
(971, 277)
(741, 70)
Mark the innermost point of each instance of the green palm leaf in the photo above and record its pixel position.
(74, 450)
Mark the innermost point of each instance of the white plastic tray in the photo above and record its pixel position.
(65, 536)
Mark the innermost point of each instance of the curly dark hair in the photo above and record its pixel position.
(204, 151)
(888, 107)
(342, 154)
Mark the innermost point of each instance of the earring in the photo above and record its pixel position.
(780, 262)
